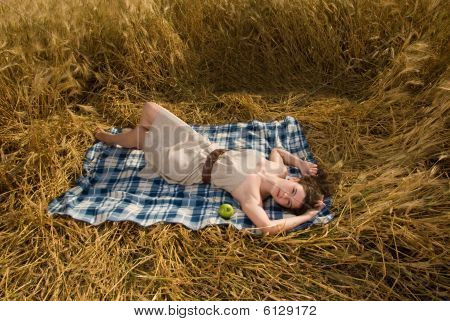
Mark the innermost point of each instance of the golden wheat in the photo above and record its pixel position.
(368, 80)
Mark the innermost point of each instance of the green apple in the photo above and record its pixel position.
(226, 211)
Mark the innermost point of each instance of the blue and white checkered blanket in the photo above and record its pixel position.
(110, 189)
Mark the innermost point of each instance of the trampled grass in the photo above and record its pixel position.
(368, 80)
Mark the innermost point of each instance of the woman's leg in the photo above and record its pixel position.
(148, 114)
(133, 138)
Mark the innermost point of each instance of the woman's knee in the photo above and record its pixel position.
(149, 112)
(151, 107)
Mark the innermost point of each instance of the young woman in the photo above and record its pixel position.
(176, 152)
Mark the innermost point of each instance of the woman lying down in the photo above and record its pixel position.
(180, 155)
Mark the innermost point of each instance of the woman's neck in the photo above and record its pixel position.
(268, 181)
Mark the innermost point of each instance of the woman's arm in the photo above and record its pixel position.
(307, 168)
(260, 218)
(276, 157)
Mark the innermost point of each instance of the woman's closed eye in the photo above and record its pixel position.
(289, 203)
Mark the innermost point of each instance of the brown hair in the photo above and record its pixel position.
(315, 187)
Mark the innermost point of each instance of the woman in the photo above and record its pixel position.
(180, 155)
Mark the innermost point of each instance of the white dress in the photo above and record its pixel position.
(177, 153)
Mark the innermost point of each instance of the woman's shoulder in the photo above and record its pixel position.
(248, 189)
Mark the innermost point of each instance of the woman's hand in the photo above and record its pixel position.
(319, 206)
(307, 168)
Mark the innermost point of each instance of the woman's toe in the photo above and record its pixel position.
(100, 134)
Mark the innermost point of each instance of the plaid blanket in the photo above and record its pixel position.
(110, 189)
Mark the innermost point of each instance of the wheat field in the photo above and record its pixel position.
(368, 80)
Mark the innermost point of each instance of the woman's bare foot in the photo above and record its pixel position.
(128, 138)
(103, 136)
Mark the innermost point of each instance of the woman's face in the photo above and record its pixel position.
(288, 193)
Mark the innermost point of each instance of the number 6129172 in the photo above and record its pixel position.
(290, 310)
